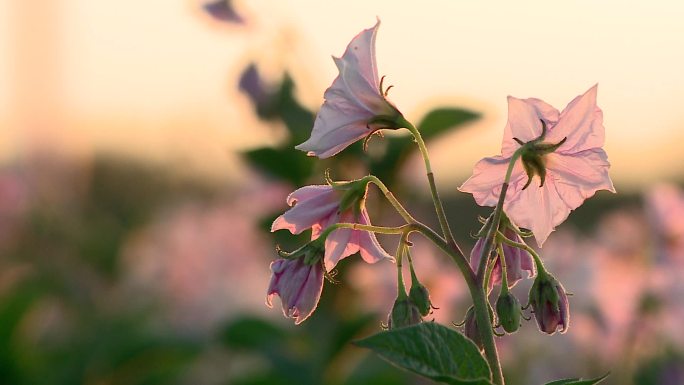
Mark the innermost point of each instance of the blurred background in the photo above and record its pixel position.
(145, 148)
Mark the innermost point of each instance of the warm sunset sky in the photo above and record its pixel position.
(157, 78)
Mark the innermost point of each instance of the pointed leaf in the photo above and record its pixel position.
(431, 350)
(440, 120)
(579, 381)
(286, 163)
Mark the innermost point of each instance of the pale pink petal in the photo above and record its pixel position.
(369, 247)
(340, 243)
(524, 122)
(352, 83)
(581, 122)
(578, 176)
(309, 294)
(338, 246)
(338, 124)
(536, 208)
(305, 193)
(488, 175)
(312, 205)
(352, 100)
(298, 285)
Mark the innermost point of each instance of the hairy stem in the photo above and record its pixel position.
(439, 207)
(524, 246)
(391, 199)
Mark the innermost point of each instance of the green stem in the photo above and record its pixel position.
(439, 208)
(488, 275)
(504, 274)
(370, 228)
(391, 198)
(494, 226)
(401, 248)
(524, 246)
(478, 293)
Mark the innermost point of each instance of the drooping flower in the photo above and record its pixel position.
(320, 206)
(355, 105)
(299, 284)
(570, 169)
(549, 304)
(519, 263)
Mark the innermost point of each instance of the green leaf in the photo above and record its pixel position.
(431, 350)
(579, 381)
(288, 164)
(251, 333)
(440, 120)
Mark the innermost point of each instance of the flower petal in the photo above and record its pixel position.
(581, 122)
(341, 243)
(358, 67)
(369, 247)
(578, 176)
(310, 293)
(312, 205)
(352, 100)
(524, 122)
(536, 208)
(488, 175)
(310, 192)
(338, 124)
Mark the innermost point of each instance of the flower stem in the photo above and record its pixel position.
(524, 246)
(494, 225)
(504, 273)
(439, 208)
(401, 249)
(391, 198)
(475, 285)
(478, 293)
(373, 229)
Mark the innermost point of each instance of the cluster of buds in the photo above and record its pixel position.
(509, 262)
(409, 309)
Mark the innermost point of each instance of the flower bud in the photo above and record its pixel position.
(508, 311)
(549, 304)
(470, 328)
(420, 297)
(404, 313)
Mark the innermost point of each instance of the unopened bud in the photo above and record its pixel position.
(404, 313)
(420, 297)
(470, 328)
(549, 304)
(508, 311)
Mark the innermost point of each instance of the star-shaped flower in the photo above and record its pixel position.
(574, 171)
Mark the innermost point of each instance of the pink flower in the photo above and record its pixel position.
(299, 286)
(318, 207)
(355, 105)
(519, 263)
(574, 171)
